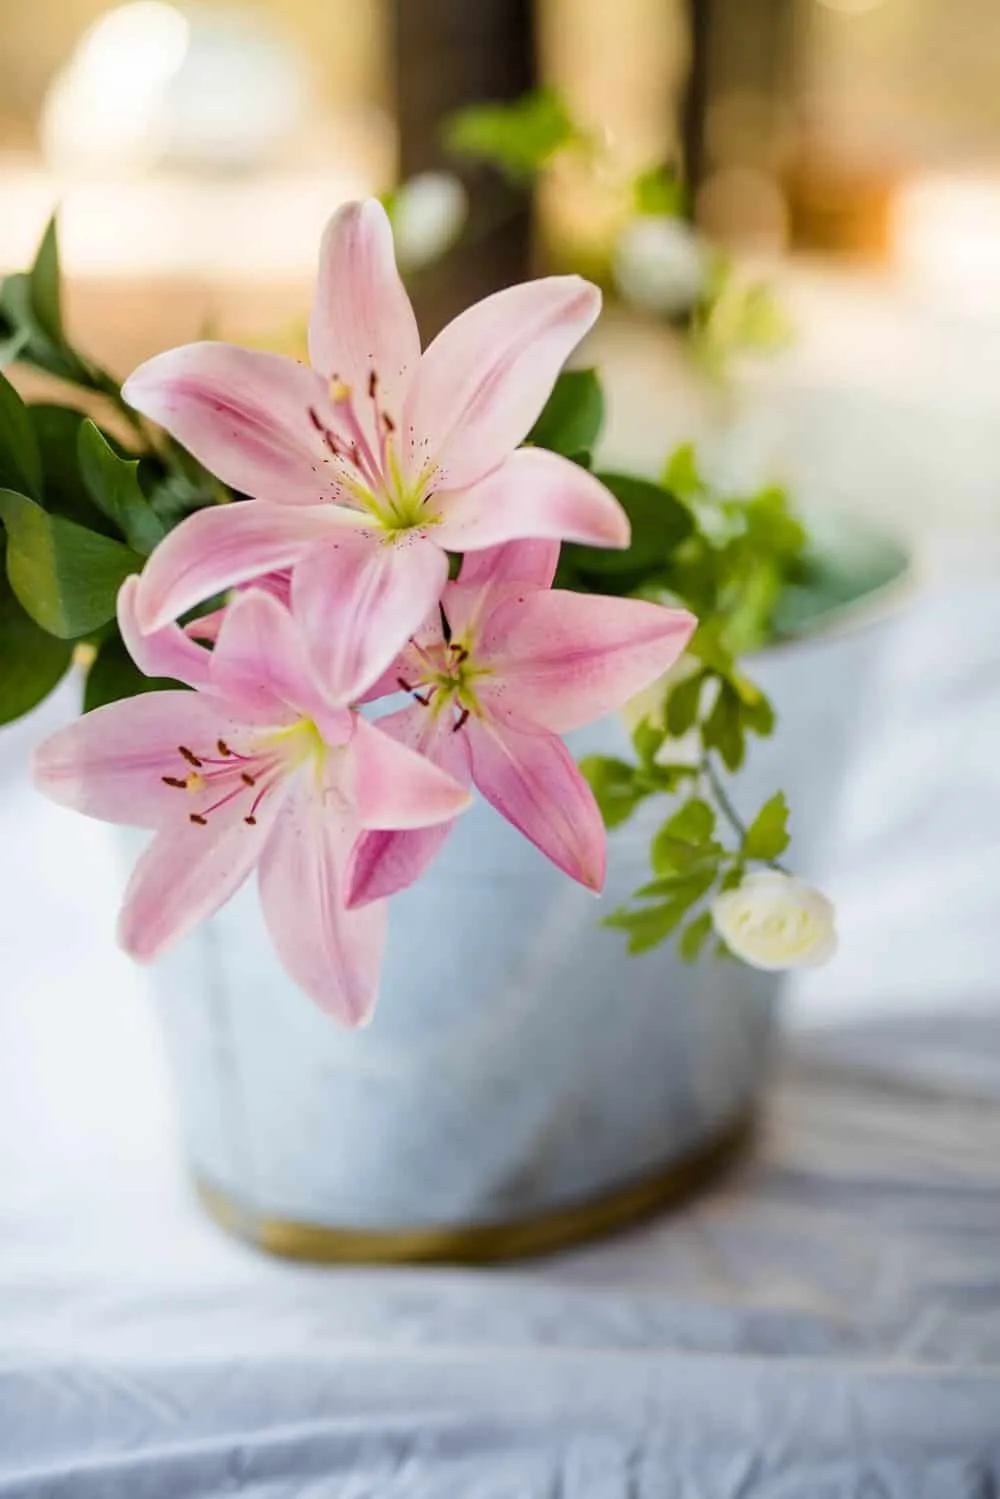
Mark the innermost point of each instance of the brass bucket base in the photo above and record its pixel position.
(482, 1243)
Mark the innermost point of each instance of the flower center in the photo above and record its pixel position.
(445, 678)
(364, 450)
(216, 777)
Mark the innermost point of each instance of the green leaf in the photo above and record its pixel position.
(659, 524)
(44, 285)
(723, 728)
(694, 822)
(571, 421)
(36, 347)
(520, 137)
(648, 737)
(33, 661)
(767, 836)
(113, 485)
(679, 856)
(652, 924)
(659, 191)
(176, 495)
(683, 705)
(20, 460)
(56, 429)
(681, 474)
(649, 927)
(668, 778)
(64, 575)
(759, 717)
(685, 840)
(763, 323)
(689, 883)
(614, 787)
(694, 937)
(114, 675)
(669, 855)
(12, 346)
(707, 647)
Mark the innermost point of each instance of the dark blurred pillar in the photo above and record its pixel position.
(446, 54)
(745, 49)
(695, 106)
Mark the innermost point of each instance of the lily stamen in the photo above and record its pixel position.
(361, 454)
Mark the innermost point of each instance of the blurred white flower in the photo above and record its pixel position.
(428, 214)
(774, 921)
(660, 264)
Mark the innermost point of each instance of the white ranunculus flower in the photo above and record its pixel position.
(428, 214)
(774, 921)
(660, 264)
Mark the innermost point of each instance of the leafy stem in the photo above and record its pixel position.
(749, 837)
(721, 797)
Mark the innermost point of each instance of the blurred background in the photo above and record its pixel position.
(846, 150)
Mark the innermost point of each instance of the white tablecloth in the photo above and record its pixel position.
(826, 1323)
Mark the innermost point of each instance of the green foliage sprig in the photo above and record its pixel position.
(729, 559)
(80, 507)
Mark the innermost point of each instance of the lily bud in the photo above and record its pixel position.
(775, 921)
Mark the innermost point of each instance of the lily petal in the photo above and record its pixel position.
(362, 319)
(532, 562)
(532, 780)
(533, 493)
(397, 788)
(244, 414)
(561, 660)
(358, 599)
(383, 863)
(168, 652)
(409, 664)
(277, 584)
(186, 874)
(333, 954)
(110, 763)
(260, 660)
(485, 378)
(216, 549)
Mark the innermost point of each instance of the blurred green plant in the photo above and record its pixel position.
(722, 313)
(519, 138)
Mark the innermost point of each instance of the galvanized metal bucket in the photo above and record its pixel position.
(524, 1083)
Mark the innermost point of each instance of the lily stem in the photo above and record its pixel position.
(721, 797)
(729, 812)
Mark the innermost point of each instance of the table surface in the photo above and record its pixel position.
(825, 1323)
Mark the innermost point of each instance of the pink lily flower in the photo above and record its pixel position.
(253, 768)
(520, 665)
(368, 467)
